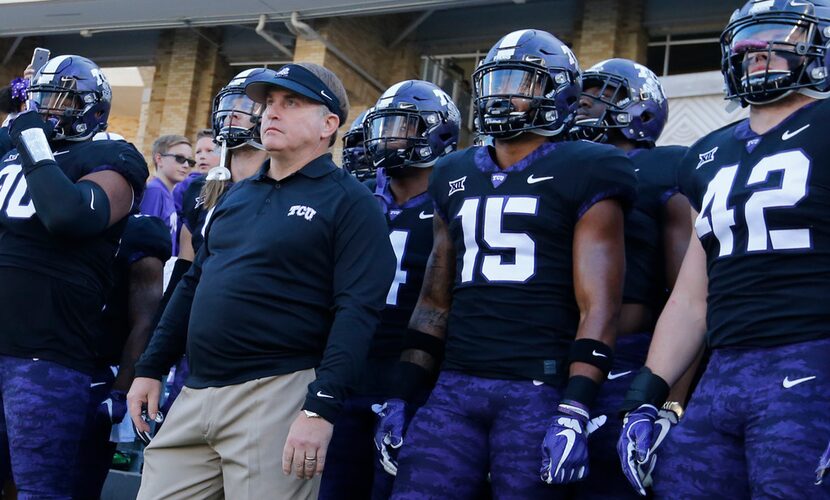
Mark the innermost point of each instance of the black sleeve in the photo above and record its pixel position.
(5, 141)
(191, 204)
(169, 340)
(685, 178)
(606, 174)
(364, 265)
(145, 236)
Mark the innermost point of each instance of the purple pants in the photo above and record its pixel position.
(754, 428)
(44, 410)
(96, 449)
(471, 427)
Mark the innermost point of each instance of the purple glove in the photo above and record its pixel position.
(392, 423)
(635, 445)
(114, 408)
(565, 447)
(823, 465)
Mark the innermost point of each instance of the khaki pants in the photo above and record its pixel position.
(227, 442)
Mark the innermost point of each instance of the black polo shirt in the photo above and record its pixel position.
(292, 275)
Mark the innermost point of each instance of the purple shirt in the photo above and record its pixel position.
(158, 202)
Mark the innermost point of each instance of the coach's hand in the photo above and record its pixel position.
(144, 391)
(306, 445)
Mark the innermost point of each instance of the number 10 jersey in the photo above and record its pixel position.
(763, 205)
(514, 313)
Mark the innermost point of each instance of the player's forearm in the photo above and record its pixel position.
(679, 334)
(678, 337)
(599, 267)
(133, 347)
(432, 310)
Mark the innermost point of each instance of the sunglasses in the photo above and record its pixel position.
(181, 159)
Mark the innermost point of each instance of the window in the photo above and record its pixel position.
(678, 54)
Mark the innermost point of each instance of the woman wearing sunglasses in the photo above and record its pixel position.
(173, 159)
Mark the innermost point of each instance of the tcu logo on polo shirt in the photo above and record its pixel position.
(302, 211)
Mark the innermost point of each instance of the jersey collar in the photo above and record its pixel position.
(316, 168)
(383, 192)
(484, 158)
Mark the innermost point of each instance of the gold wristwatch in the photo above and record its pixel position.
(675, 407)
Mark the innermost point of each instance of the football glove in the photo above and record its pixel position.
(644, 429)
(823, 465)
(392, 423)
(146, 437)
(565, 447)
(30, 135)
(114, 408)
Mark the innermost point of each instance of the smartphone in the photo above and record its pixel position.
(39, 58)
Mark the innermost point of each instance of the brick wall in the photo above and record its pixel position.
(611, 28)
(189, 73)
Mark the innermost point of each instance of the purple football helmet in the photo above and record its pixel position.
(235, 116)
(771, 48)
(528, 82)
(633, 99)
(354, 152)
(412, 125)
(73, 93)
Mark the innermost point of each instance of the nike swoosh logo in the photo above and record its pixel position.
(598, 354)
(320, 394)
(664, 426)
(534, 180)
(323, 93)
(570, 436)
(97, 384)
(612, 375)
(789, 135)
(56, 153)
(424, 215)
(790, 383)
(92, 200)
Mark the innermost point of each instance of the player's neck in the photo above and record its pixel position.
(764, 118)
(623, 144)
(515, 150)
(406, 187)
(245, 162)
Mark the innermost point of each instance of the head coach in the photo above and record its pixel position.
(276, 313)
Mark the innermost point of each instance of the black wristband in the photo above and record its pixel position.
(592, 352)
(581, 389)
(646, 388)
(430, 344)
(411, 380)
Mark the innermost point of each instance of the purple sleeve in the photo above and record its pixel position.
(153, 202)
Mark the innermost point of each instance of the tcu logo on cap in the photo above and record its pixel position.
(302, 211)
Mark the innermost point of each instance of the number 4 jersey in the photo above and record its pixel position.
(514, 314)
(764, 222)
